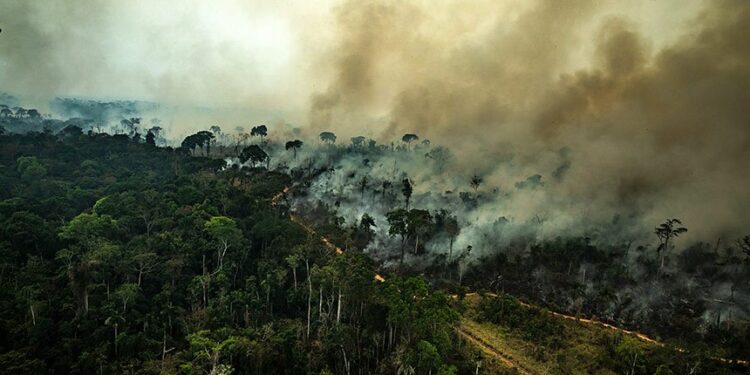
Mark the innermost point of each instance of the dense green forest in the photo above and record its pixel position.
(120, 256)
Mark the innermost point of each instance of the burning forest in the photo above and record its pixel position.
(356, 186)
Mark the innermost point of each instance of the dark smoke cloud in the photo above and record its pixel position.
(655, 126)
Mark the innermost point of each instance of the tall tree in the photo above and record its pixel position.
(328, 137)
(259, 131)
(419, 225)
(253, 153)
(452, 230)
(294, 145)
(224, 230)
(143, 261)
(89, 249)
(407, 189)
(398, 226)
(409, 138)
(198, 140)
(666, 232)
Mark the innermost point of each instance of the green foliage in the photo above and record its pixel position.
(397, 220)
(126, 257)
(209, 351)
(30, 168)
(254, 154)
(222, 228)
(87, 227)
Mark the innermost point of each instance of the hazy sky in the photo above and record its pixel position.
(260, 54)
(651, 97)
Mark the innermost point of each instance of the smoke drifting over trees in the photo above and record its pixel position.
(648, 103)
(657, 127)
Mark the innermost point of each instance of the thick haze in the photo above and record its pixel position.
(650, 98)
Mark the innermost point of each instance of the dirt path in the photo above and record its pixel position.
(586, 321)
(493, 352)
(611, 327)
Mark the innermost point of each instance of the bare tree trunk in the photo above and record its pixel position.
(347, 365)
(220, 256)
(402, 250)
(309, 295)
(164, 350)
(247, 316)
(33, 315)
(663, 254)
(86, 299)
(204, 284)
(390, 337)
(661, 263)
(718, 319)
(338, 309)
(148, 223)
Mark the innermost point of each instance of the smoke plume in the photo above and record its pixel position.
(636, 109)
(656, 123)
